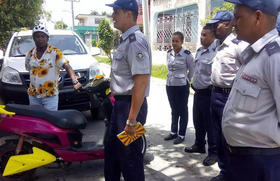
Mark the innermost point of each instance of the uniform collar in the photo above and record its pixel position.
(179, 53)
(130, 31)
(260, 43)
(255, 48)
(228, 39)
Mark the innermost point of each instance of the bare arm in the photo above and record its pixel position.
(72, 75)
(138, 93)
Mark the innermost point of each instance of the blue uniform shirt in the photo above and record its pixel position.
(133, 56)
(252, 113)
(203, 63)
(180, 67)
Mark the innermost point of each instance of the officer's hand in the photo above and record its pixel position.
(130, 130)
(77, 86)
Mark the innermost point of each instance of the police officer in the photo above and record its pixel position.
(278, 24)
(180, 71)
(201, 84)
(251, 120)
(130, 78)
(224, 68)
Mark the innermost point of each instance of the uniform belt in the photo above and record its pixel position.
(206, 90)
(123, 97)
(253, 151)
(222, 90)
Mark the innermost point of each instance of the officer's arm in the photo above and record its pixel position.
(138, 93)
(191, 64)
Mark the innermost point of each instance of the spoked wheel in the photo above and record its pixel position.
(6, 151)
(144, 144)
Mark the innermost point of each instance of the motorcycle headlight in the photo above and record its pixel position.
(94, 70)
(11, 76)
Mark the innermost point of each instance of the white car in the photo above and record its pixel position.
(14, 78)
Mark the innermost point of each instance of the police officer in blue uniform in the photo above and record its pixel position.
(251, 119)
(202, 86)
(130, 79)
(278, 24)
(180, 71)
(224, 68)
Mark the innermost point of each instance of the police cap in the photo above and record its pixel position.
(267, 6)
(223, 15)
(125, 4)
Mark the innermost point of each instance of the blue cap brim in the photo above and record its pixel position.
(113, 5)
(213, 21)
(234, 1)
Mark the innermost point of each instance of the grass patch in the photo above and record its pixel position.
(101, 59)
(158, 71)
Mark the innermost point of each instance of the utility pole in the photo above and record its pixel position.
(72, 10)
(145, 9)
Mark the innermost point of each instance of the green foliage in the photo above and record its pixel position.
(17, 14)
(101, 59)
(94, 13)
(60, 25)
(106, 36)
(226, 6)
(159, 71)
(93, 43)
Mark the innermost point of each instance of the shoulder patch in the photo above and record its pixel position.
(272, 48)
(236, 41)
(132, 38)
(187, 52)
(169, 50)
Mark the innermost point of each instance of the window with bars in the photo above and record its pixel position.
(183, 19)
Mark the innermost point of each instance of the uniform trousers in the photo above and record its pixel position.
(127, 160)
(218, 101)
(202, 120)
(255, 167)
(178, 100)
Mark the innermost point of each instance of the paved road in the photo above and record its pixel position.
(164, 161)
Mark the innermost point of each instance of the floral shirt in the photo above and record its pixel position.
(44, 72)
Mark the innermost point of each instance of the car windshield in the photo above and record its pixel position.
(69, 44)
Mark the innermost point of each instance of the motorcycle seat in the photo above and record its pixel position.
(65, 119)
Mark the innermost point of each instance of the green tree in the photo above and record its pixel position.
(60, 25)
(17, 14)
(94, 13)
(226, 6)
(106, 37)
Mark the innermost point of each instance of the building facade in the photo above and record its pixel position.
(168, 16)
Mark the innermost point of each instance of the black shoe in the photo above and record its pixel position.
(178, 140)
(218, 178)
(210, 160)
(195, 149)
(170, 137)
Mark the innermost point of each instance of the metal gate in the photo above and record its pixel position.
(183, 19)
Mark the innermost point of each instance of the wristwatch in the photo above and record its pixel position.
(75, 82)
(130, 123)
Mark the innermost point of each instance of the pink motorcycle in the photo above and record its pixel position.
(37, 137)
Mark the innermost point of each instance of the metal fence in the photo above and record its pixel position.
(183, 19)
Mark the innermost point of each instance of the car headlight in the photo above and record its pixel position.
(11, 76)
(94, 70)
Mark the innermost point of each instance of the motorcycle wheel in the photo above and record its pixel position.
(6, 151)
(144, 144)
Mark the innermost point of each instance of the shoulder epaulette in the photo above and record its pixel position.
(272, 48)
(236, 41)
(187, 52)
(169, 50)
(132, 38)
